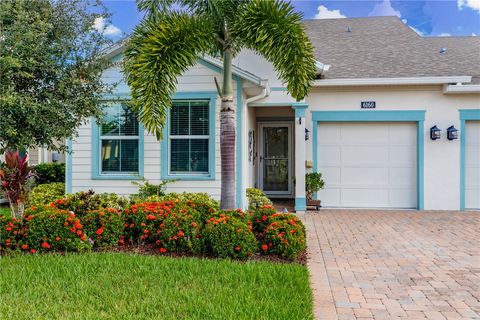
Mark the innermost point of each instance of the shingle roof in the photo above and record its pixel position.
(384, 47)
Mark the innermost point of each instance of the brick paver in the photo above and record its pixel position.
(368, 264)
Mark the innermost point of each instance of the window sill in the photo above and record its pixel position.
(186, 177)
(117, 177)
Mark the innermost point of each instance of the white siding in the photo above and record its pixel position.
(198, 78)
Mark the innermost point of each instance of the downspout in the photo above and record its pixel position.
(265, 93)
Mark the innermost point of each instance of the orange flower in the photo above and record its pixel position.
(83, 237)
(33, 250)
(45, 245)
(264, 247)
(264, 217)
(79, 232)
(151, 217)
(121, 241)
(238, 248)
(57, 238)
(180, 233)
(163, 250)
(24, 246)
(99, 231)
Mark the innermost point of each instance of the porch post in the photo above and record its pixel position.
(300, 122)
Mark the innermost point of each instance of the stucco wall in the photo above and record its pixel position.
(442, 157)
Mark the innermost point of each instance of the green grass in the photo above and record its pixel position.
(4, 211)
(128, 286)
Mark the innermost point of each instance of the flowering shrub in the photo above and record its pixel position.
(51, 229)
(180, 232)
(257, 199)
(260, 217)
(11, 234)
(85, 201)
(103, 227)
(284, 235)
(241, 215)
(46, 193)
(142, 220)
(228, 237)
(202, 203)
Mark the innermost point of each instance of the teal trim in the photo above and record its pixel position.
(300, 109)
(278, 89)
(68, 169)
(165, 154)
(96, 174)
(377, 116)
(465, 115)
(368, 115)
(300, 204)
(240, 188)
(271, 104)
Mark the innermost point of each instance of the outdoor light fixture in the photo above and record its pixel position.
(452, 133)
(299, 120)
(307, 134)
(435, 133)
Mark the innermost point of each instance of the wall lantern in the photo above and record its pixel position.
(452, 133)
(435, 133)
(307, 134)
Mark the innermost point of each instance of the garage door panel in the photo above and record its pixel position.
(369, 198)
(375, 168)
(472, 165)
(355, 154)
(359, 175)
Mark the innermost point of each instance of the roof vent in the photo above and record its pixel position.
(443, 50)
(349, 29)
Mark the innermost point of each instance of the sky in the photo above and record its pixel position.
(428, 18)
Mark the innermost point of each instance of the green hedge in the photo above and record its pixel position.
(49, 172)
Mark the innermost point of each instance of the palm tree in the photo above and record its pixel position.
(169, 41)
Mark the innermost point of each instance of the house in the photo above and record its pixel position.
(368, 125)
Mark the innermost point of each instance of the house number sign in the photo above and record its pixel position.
(368, 104)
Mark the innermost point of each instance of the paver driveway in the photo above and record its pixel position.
(394, 264)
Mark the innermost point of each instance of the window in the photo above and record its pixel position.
(119, 142)
(189, 137)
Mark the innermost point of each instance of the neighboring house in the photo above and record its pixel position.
(365, 125)
(43, 155)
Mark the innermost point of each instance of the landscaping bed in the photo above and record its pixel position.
(128, 286)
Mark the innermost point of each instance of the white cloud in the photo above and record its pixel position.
(325, 13)
(444, 34)
(474, 34)
(472, 4)
(100, 24)
(384, 9)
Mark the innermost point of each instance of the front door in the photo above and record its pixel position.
(275, 158)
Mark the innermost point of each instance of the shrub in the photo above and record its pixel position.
(49, 172)
(147, 189)
(103, 227)
(202, 203)
(142, 221)
(260, 217)
(11, 234)
(228, 237)
(180, 232)
(313, 183)
(46, 193)
(51, 229)
(85, 201)
(241, 215)
(285, 236)
(257, 199)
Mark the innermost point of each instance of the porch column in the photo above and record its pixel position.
(300, 122)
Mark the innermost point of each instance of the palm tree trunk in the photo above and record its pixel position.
(227, 136)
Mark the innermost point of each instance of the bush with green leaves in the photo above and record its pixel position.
(313, 183)
(103, 227)
(180, 231)
(284, 236)
(51, 229)
(257, 199)
(202, 203)
(260, 217)
(46, 193)
(147, 189)
(228, 237)
(49, 172)
(84, 201)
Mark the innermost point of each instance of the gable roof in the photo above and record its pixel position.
(384, 47)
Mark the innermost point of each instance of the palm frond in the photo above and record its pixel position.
(274, 30)
(161, 49)
(153, 6)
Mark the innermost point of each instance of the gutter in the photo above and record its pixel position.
(461, 88)
(265, 93)
(391, 81)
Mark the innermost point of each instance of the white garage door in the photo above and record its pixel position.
(472, 165)
(368, 164)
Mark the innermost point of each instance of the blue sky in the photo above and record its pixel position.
(429, 18)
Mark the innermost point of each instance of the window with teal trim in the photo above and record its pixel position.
(189, 137)
(119, 141)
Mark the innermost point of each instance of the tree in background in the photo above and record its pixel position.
(50, 71)
(169, 41)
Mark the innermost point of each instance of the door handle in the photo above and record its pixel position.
(261, 158)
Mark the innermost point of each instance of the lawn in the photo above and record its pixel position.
(129, 286)
(4, 211)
